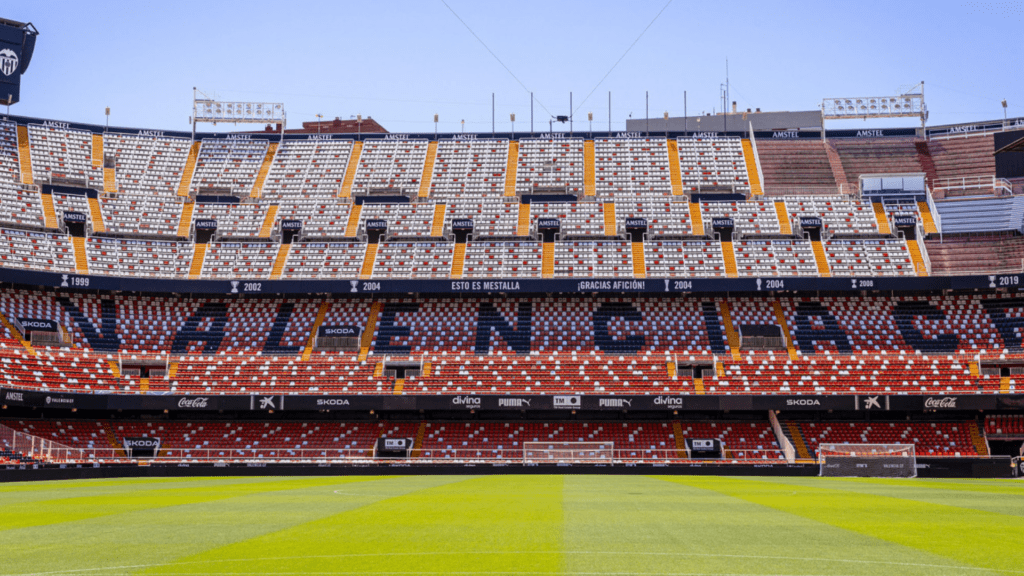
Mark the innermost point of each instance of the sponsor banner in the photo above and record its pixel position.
(904, 221)
(872, 133)
(338, 331)
(810, 222)
(794, 403)
(636, 223)
(652, 286)
(376, 224)
(462, 224)
(141, 446)
(548, 223)
(37, 325)
(717, 223)
(521, 402)
(567, 402)
(75, 217)
(206, 224)
(53, 400)
(291, 224)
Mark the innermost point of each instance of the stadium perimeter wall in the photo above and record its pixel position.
(997, 467)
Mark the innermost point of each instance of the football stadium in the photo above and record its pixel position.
(738, 342)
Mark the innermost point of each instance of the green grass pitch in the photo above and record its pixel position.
(572, 524)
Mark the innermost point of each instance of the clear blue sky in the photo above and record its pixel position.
(401, 62)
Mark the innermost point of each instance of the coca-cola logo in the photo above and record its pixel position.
(198, 402)
(945, 402)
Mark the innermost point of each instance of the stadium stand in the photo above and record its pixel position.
(928, 438)
(631, 168)
(714, 163)
(149, 168)
(796, 167)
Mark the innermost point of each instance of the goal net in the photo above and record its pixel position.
(868, 460)
(568, 451)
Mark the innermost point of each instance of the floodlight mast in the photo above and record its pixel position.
(910, 104)
(208, 110)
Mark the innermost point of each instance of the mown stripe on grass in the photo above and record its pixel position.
(647, 525)
(999, 499)
(164, 535)
(72, 508)
(969, 537)
(486, 521)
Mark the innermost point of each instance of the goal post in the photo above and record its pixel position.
(568, 452)
(867, 460)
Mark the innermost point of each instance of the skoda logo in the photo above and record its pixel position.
(8, 62)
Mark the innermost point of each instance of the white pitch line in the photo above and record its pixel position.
(106, 570)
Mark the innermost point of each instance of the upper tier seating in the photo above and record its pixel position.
(848, 345)
(10, 167)
(963, 157)
(684, 258)
(550, 164)
(632, 168)
(492, 217)
(233, 220)
(869, 258)
(663, 218)
(404, 220)
(396, 164)
(600, 259)
(311, 169)
(63, 153)
(775, 258)
(795, 166)
(36, 251)
(577, 220)
(228, 164)
(320, 218)
(748, 217)
(229, 260)
(117, 257)
(70, 203)
(989, 254)
(469, 169)
(150, 167)
(413, 260)
(838, 216)
(142, 215)
(713, 162)
(503, 260)
(20, 205)
(982, 215)
(324, 260)
(876, 156)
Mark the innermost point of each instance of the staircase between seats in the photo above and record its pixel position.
(190, 169)
(751, 162)
(675, 173)
(511, 166)
(261, 176)
(428, 169)
(350, 170)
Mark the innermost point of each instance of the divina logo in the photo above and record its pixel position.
(668, 401)
(947, 402)
(199, 402)
(466, 400)
(8, 62)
